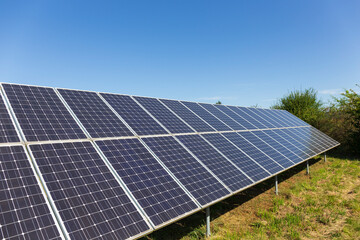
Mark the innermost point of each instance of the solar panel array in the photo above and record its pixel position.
(87, 165)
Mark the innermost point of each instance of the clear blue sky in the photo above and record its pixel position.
(240, 52)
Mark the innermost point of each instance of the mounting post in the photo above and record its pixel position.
(276, 185)
(307, 168)
(208, 222)
(324, 156)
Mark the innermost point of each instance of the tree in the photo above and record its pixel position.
(349, 105)
(218, 102)
(303, 104)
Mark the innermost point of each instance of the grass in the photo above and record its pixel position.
(324, 205)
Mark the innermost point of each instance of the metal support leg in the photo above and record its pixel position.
(307, 168)
(208, 222)
(325, 157)
(276, 186)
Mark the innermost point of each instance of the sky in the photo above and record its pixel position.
(242, 53)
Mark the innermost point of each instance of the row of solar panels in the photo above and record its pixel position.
(125, 187)
(43, 116)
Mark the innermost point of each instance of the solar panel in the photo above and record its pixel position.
(41, 114)
(250, 117)
(97, 118)
(267, 149)
(218, 164)
(292, 134)
(190, 118)
(290, 143)
(235, 155)
(206, 116)
(155, 190)
(197, 180)
(89, 199)
(273, 123)
(222, 116)
(7, 130)
(265, 161)
(164, 115)
(24, 213)
(134, 115)
(278, 146)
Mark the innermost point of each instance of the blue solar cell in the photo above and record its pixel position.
(41, 114)
(278, 146)
(89, 199)
(265, 161)
(207, 117)
(155, 190)
(197, 180)
(219, 165)
(134, 115)
(267, 149)
(7, 129)
(241, 160)
(164, 115)
(272, 122)
(222, 116)
(290, 143)
(24, 213)
(190, 118)
(250, 117)
(94, 114)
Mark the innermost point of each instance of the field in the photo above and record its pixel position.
(324, 205)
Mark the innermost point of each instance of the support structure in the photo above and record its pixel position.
(324, 156)
(276, 185)
(307, 168)
(208, 222)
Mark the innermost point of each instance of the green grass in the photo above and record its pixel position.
(324, 205)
